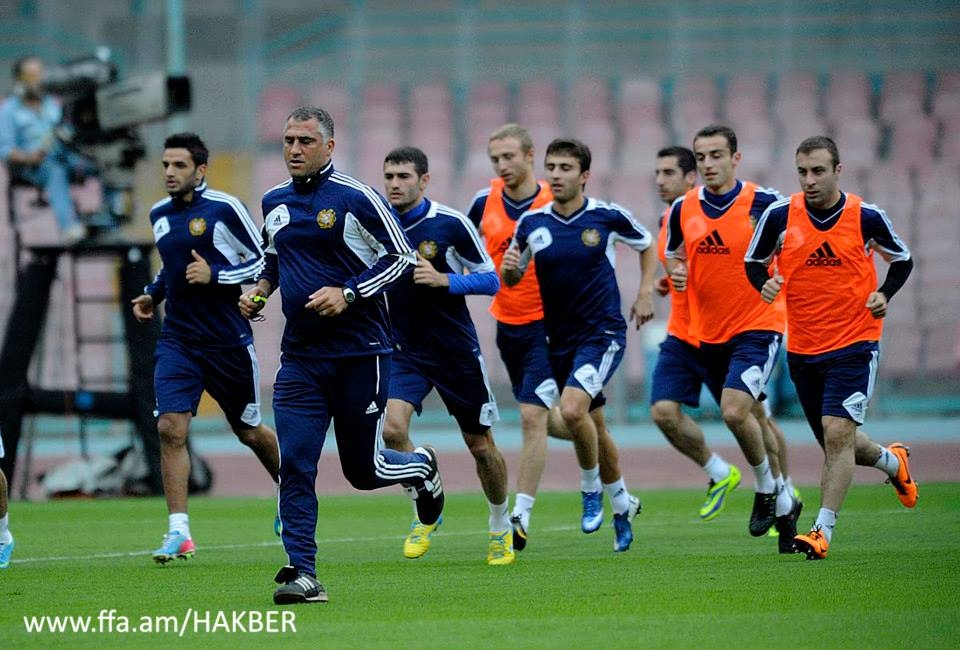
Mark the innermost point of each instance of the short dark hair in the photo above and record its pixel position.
(719, 129)
(570, 147)
(820, 142)
(685, 158)
(192, 143)
(17, 68)
(307, 113)
(413, 155)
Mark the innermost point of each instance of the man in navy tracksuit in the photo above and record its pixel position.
(333, 247)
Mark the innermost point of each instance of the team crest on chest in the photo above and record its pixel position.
(428, 249)
(326, 218)
(590, 237)
(198, 226)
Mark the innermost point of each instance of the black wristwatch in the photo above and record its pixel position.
(349, 295)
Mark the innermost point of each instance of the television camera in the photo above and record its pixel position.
(101, 114)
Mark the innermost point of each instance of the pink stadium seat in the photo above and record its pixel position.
(487, 108)
(600, 137)
(746, 98)
(639, 146)
(913, 141)
(381, 93)
(946, 105)
(847, 96)
(940, 346)
(900, 350)
(589, 100)
(637, 193)
(903, 96)
(858, 139)
(640, 100)
(276, 102)
(797, 93)
(695, 105)
(889, 187)
(335, 99)
(950, 141)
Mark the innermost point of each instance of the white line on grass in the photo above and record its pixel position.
(225, 547)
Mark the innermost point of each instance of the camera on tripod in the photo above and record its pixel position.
(101, 115)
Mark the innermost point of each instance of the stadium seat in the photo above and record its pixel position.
(333, 98)
(913, 142)
(848, 95)
(600, 137)
(276, 102)
(940, 347)
(797, 93)
(640, 100)
(487, 108)
(858, 139)
(900, 350)
(588, 101)
(903, 96)
(538, 104)
(746, 98)
(695, 105)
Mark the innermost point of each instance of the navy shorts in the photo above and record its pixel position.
(743, 363)
(231, 375)
(462, 384)
(837, 383)
(589, 365)
(523, 349)
(679, 374)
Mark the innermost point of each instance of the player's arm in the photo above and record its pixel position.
(674, 251)
(253, 301)
(627, 230)
(378, 229)
(878, 233)
(517, 256)
(766, 242)
(235, 238)
(153, 294)
(479, 277)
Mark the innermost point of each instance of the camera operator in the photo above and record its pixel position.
(33, 153)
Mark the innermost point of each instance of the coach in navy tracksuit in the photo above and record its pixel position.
(333, 247)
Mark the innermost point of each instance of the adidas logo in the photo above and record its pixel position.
(373, 408)
(713, 245)
(823, 256)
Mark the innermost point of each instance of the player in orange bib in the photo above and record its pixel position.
(739, 334)
(823, 241)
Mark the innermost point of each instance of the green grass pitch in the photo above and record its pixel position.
(891, 581)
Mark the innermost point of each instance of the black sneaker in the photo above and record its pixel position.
(519, 533)
(297, 587)
(764, 513)
(787, 528)
(429, 499)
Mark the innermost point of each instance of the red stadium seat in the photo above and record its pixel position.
(276, 103)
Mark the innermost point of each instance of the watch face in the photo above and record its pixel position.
(349, 295)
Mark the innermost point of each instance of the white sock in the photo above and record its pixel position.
(888, 462)
(763, 477)
(716, 468)
(618, 495)
(788, 485)
(826, 520)
(522, 507)
(499, 519)
(784, 498)
(180, 522)
(5, 535)
(590, 479)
